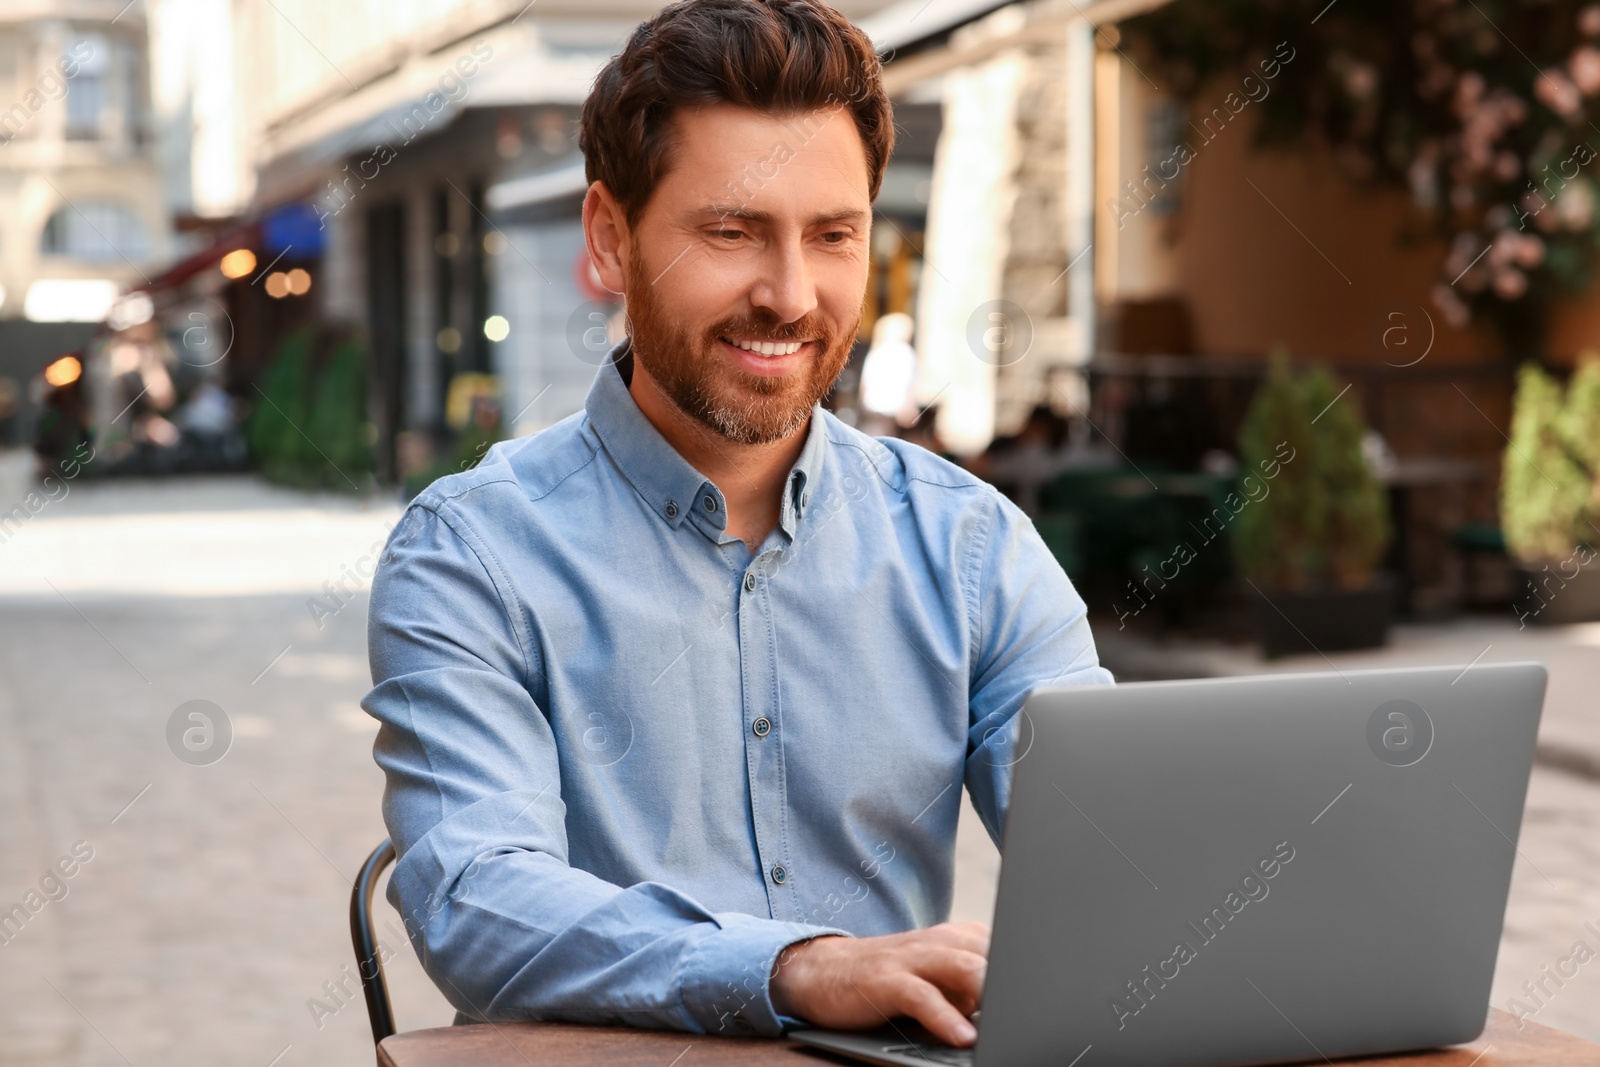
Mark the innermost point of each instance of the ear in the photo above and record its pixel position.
(605, 231)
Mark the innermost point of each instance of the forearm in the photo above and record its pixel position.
(522, 935)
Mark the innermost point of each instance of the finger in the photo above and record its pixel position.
(963, 929)
(958, 974)
(955, 936)
(925, 1003)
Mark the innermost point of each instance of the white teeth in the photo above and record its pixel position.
(769, 348)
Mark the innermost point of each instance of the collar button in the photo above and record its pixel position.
(671, 510)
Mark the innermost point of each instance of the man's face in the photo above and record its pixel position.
(756, 239)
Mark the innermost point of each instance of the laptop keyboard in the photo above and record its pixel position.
(942, 1054)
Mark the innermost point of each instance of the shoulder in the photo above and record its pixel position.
(524, 470)
(906, 469)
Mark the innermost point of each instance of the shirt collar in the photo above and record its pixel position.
(805, 475)
(667, 481)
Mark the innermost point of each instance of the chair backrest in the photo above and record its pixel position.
(369, 962)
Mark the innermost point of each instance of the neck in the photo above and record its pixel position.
(752, 478)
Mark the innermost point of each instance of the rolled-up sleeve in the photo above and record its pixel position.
(503, 924)
(1032, 630)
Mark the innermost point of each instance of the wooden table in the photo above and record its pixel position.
(553, 1044)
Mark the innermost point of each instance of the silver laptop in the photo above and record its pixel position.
(1249, 870)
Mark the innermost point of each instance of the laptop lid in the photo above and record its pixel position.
(1256, 870)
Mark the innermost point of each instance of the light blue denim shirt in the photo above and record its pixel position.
(628, 761)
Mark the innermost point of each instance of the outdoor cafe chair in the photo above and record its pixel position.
(369, 962)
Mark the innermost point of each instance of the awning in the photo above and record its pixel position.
(245, 235)
(921, 28)
(903, 26)
(558, 182)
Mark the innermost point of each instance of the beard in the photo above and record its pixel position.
(692, 372)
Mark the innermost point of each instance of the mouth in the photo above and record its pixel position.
(760, 356)
(765, 348)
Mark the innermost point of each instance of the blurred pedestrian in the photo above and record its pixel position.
(886, 377)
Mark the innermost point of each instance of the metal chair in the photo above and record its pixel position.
(369, 962)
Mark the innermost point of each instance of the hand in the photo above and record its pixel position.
(854, 983)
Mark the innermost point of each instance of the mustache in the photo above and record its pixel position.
(806, 329)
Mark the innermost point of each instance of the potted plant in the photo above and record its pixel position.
(1550, 495)
(1318, 520)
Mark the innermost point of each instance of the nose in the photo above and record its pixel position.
(785, 287)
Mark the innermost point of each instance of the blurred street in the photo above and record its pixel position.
(213, 909)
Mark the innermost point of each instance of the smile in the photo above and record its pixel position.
(768, 348)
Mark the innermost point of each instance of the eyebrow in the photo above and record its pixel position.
(749, 214)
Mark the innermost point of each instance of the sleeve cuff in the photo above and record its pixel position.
(726, 981)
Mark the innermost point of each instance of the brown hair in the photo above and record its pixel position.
(780, 57)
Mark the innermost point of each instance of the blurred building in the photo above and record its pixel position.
(1127, 259)
(83, 214)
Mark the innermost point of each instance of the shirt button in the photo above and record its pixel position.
(779, 875)
(750, 582)
(710, 502)
(762, 726)
(671, 510)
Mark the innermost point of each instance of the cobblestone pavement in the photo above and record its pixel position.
(211, 911)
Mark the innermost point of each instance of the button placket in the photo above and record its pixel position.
(763, 756)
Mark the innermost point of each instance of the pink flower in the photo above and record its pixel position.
(1450, 305)
(1511, 248)
(1507, 166)
(1584, 63)
(1556, 91)
(1504, 249)
(1463, 250)
(1530, 251)
(1509, 284)
(1589, 20)
(1361, 80)
(1469, 88)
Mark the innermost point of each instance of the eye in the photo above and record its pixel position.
(727, 235)
(836, 237)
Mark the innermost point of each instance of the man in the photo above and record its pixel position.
(678, 696)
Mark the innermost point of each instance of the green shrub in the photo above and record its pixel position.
(308, 427)
(1550, 483)
(1325, 522)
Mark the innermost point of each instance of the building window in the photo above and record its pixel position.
(86, 92)
(96, 233)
